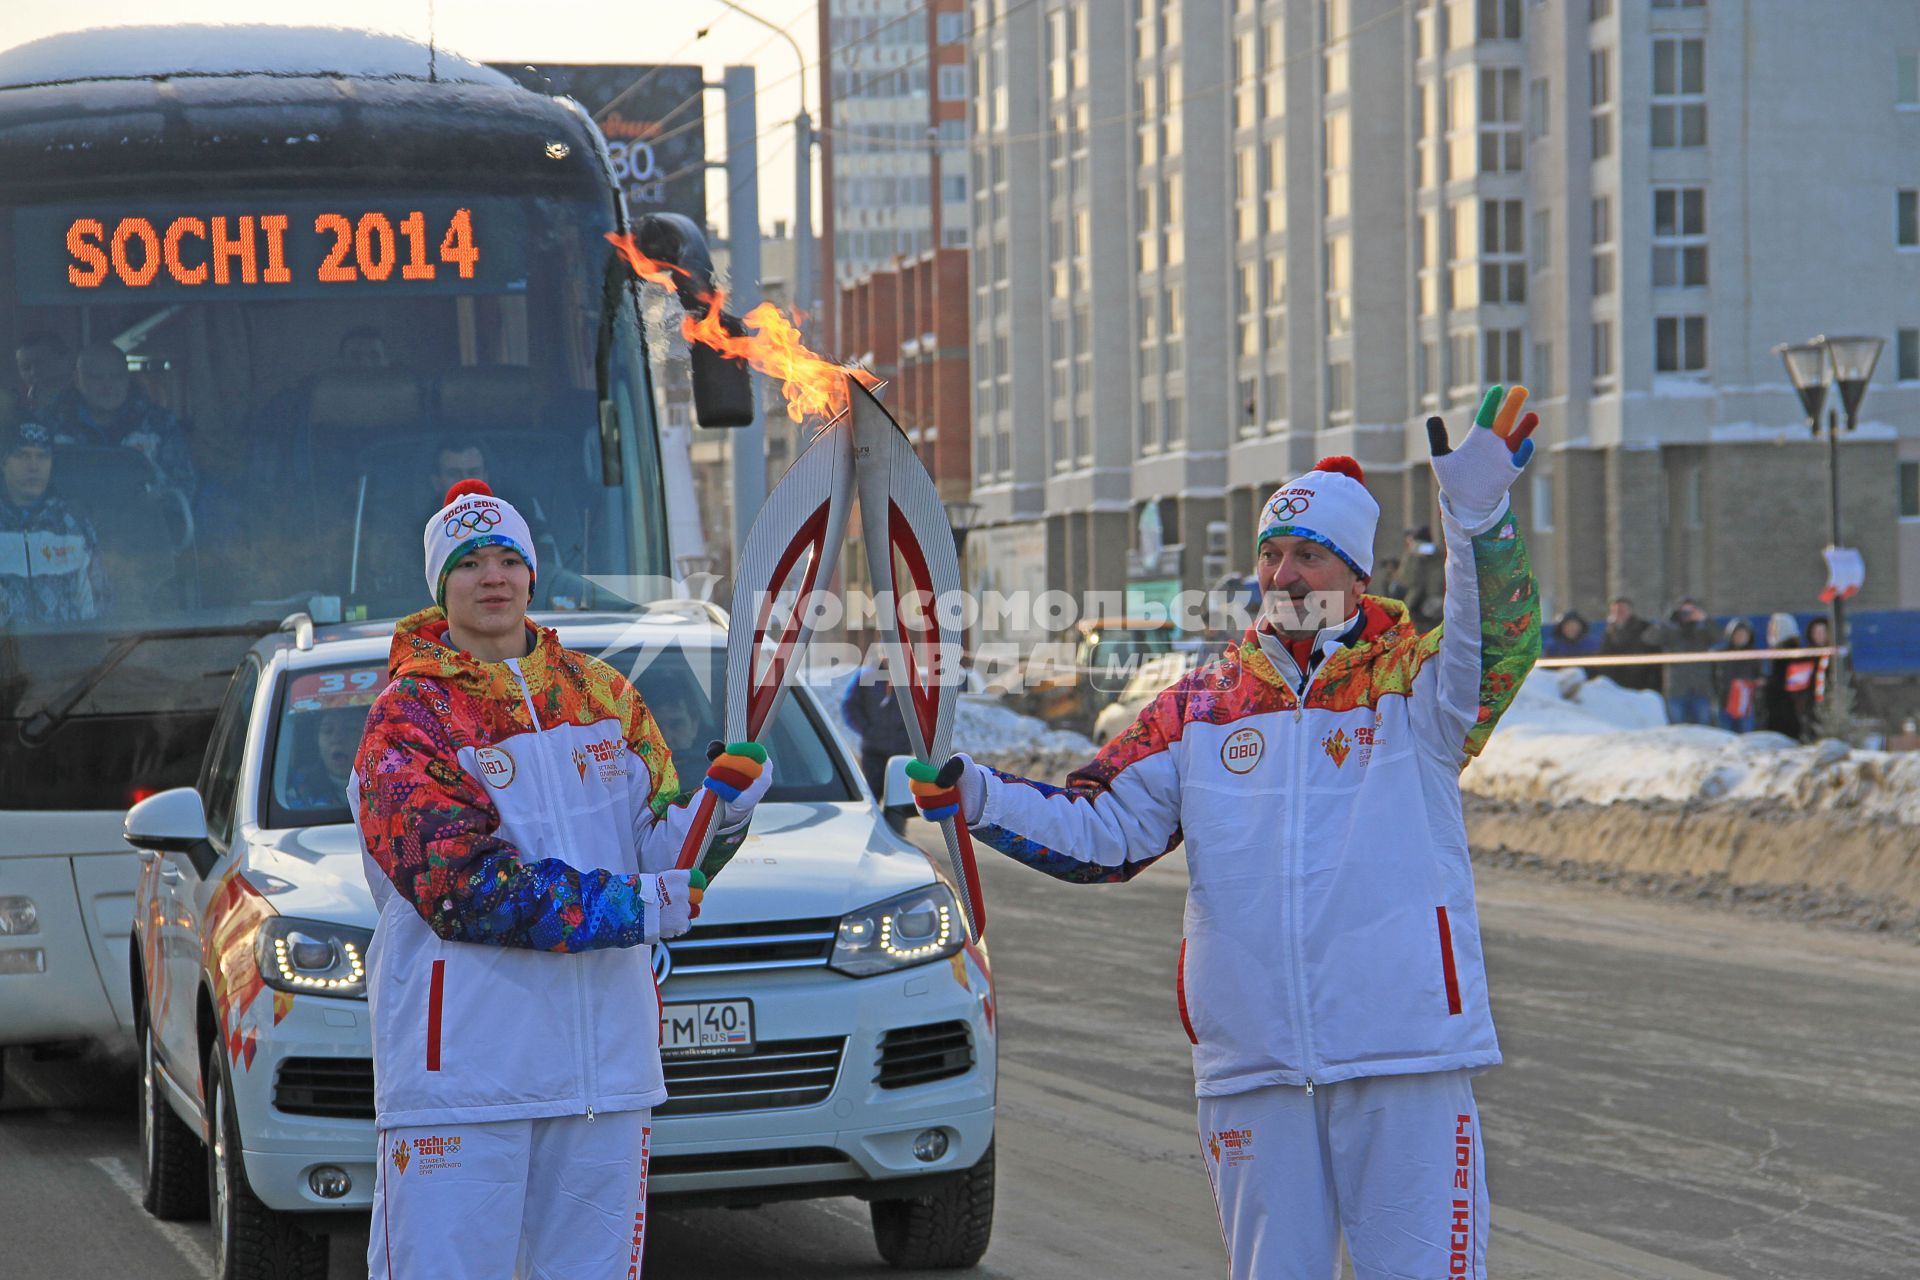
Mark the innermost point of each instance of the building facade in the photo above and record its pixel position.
(1218, 239)
(893, 134)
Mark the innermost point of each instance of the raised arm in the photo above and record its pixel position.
(1489, 638)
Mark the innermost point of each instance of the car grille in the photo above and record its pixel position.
(746, 1161)
(766, 944)
(338, 1087)
(919, 1055)
(778, 1073)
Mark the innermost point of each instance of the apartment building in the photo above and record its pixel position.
(1217, 239)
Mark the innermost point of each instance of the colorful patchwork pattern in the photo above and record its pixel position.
(432, 827)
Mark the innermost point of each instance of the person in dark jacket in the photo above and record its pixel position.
(872, 711)
(1424, 572)
(1810, 695)
(1737, 685)
(1689, 684)
(1628, 633)
(1571, 637)
(1778, 711)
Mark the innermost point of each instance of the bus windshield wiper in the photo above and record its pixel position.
(37, 728)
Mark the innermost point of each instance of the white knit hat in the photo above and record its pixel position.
(1329, 505)
(472, 518)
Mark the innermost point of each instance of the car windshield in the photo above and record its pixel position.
(247, 405)
(322, 714)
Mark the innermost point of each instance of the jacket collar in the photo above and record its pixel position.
(1379, 622)
(421, 649)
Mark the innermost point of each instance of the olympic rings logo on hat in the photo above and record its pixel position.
(477, 520)
(1288, 508)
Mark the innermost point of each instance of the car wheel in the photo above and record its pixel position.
(173, 1173)
(946, 1228)
(250, 1241)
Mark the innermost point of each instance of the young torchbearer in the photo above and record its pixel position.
(1330, 974)
(520, 817)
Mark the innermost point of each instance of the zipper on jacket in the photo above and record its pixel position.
(1309, 1086)
(584, 1039)
(1294, 878)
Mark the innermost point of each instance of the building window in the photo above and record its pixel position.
(1503, 268)
(1274, 182)
(1539, 105)
(1910, 491)
(1426, 374)
(1906, 232)
(1333, 21)
(1542, 494)
(1598, 10)
(1542, 241)
(1500, 357)
(1906, 348)
(1336, 182)
(1500, 141)
(1679, 344)
(1906, 78)
(1679, 93)
(1149, 423)
(1273, 388)
(1602, 246)
(1600, 100)
(1176, 418)
(1602, 356)
(1339, 285)
(953, 82)
(1340, 387)
(1541, 370)
(1499, 19)
(1426, 259)
(950, 28)
(1680, 238)
(1461, 365)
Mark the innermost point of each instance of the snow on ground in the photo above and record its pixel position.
(1570, 740)
(982, 727)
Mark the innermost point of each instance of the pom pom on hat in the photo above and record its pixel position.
(1341, 463)
(461, 488)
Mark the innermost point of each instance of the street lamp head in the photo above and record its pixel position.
(1853, 361)
(1807, 369)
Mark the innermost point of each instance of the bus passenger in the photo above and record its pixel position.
(110, 409)
(49, 556)
(45, 362)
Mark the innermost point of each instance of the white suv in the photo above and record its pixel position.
(827, 1028)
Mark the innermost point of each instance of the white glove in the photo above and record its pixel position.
(959, 785)
(738, 779)
(1475, 477)
(671, 900)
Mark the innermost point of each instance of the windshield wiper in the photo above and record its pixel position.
(37, 728)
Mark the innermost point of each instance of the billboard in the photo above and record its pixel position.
(654, 122)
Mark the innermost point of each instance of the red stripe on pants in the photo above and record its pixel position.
(433, 1012)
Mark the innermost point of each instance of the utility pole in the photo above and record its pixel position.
(749, 443)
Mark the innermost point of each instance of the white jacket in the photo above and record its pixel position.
(1330, 927)
(513, 817)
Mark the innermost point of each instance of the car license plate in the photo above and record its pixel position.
(706, 1029)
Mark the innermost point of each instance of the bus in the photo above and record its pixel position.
(267, 292)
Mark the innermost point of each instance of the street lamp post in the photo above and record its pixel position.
(1847, 362)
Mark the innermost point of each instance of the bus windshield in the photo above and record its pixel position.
(240, 406)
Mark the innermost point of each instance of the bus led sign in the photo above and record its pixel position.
(251, 249)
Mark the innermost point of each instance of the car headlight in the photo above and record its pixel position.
(913, 928)
(312, 957)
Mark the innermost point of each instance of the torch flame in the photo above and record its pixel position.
(812, 384)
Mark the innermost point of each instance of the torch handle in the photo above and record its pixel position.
(973, 904)
(700, 834)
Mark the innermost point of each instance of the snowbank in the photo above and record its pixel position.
(982, 726)
(1567, 740)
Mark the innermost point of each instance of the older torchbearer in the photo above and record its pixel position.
(1330, 975)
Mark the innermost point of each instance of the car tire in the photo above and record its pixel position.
(946, 1228)
(250, 1241)
(173, 1172)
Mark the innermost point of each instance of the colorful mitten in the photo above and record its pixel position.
(939, 793)
(739, 774)
(1475, 477)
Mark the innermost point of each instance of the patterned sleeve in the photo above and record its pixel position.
(1114, 818)
(1488, 640)
(431, 828)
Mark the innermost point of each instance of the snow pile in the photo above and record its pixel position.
(982, 726)
(1568, 740)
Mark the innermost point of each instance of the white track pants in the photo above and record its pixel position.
(557, 1199)
(1394, 1162)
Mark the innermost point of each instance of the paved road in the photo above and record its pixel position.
(1688, 1095)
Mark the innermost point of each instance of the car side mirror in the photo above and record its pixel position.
(172, 822)
(898, 800)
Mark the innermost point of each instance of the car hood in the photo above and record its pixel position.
(800, 861)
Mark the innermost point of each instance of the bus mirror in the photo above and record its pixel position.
(722, 387)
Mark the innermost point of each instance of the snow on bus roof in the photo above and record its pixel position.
(157, 52)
